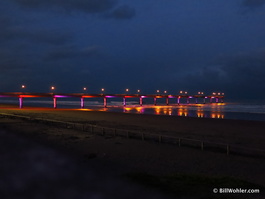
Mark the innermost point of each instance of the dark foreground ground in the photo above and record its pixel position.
(42, 161)
(32, 170)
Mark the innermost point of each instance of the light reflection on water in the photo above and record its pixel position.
(244, 111)
(184, 111)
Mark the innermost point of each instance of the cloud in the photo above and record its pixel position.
(49, 37)
(63, 53)
(253, 3)
(4, 21)
(108, 7)
(5, 25)
(90, 6)
(241, 74)
(122, 12)
(11, 61)
(15, 33)
(247, 69)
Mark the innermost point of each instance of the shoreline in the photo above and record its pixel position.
(184, 110)
(226, 131)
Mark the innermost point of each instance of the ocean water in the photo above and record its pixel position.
(242, 111)
(216, 111)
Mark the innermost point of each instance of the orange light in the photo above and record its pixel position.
(23, 86)
(183, 112)
(52, 88)
(157, 111)
(24, 96)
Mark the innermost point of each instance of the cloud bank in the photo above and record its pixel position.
(253, 3)
(71, 52)
(122, 12)
(109, 7)
(90, 6)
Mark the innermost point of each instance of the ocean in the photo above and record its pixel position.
(230, 110)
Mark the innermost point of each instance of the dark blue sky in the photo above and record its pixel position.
(169, 45)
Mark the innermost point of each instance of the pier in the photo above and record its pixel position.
(105, 97)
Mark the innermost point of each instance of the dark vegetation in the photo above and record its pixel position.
(194, 186)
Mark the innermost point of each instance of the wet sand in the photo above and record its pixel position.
(236, 132)
(115, 156)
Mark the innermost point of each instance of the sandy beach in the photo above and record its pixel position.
(116, 156)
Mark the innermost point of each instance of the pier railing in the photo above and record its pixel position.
(228, 149)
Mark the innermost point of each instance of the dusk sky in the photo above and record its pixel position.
(173, 45)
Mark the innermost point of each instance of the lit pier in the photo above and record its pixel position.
(105, 97)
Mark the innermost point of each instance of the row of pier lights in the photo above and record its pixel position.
(52, 88)
(218, 96)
